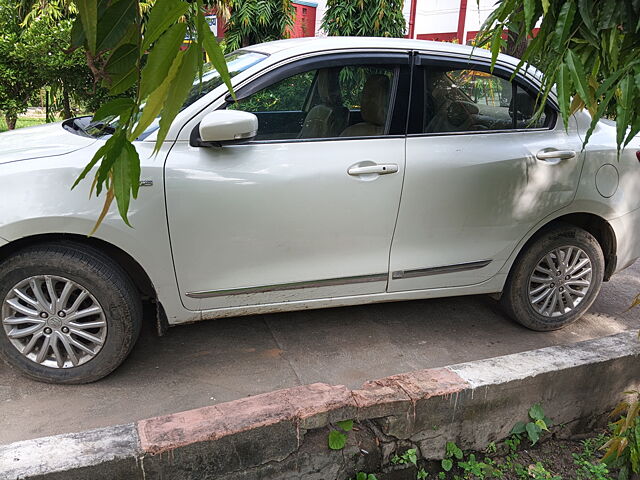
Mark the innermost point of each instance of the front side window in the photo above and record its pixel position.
(347, 101)
(464, 100)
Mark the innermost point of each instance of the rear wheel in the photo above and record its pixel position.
(68, 314)
(555, 280)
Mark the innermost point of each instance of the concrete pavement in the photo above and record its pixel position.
(218, 361)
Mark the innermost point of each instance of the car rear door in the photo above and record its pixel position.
(480, 173)
(286, 218)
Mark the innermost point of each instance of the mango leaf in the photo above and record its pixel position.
(88, 13)
(563, 25)
(77, 34)
(122, 177)
(157, 98)
(585, 13)
(161, 58)
(214, 52)
(118, 107)
(346, 425)
(180, 86)
(122, 68)
(545, 6)
(162, 14)
(578, 76)
(103, 175)
(529, 12)
(564, 85)
(105, 209)
(624, 106)
(337, 440)
(114, 24)
(102, 151)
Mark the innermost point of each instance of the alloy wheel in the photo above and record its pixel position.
(560, 281)
(54, 321)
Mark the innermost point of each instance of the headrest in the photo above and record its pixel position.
(523, 103)
(459, 112)
(329, 86)
(375, 100)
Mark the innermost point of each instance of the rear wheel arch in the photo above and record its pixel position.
(595, 225)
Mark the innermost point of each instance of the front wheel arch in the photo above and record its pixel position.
(134, 270)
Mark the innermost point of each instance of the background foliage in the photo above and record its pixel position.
(590, 50)
(256, 21)
(364, 18)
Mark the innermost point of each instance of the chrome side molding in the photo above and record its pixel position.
(423, 272)
(378, 277)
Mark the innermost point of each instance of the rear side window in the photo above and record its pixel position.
(465, 100)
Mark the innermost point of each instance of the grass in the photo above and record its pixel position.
(22, 122)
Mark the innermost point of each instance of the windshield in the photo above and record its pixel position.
(237, 62)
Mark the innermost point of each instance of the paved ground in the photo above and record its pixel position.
(221, 360)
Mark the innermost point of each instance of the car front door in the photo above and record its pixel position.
(307, 209)
(481, 171)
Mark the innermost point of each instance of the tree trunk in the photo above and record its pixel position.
(11, 120)
(515, 48)
(66, 104)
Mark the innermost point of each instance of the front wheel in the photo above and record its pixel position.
(555, 280)
(68, 313)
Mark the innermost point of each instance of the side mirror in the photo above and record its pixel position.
(222, 127)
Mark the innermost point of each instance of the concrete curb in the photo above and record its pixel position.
(283, 434)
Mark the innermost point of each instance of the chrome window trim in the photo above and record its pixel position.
(377, 277)
(424, 272)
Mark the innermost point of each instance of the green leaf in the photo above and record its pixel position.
(543, 426)
(346, 425)
(536, 412)
(161, 59)
(162, 14)
(533, 432)
(157, 98)
(361, 476)
(337, 440)
(623, 108)
(88, 13)
(114, 24)
(585, 12)
(122, 182)
(564, 99)
(214, 52)
(122, 68)
(563, 25)
(118, 107)
(545, 6)
(518, 429)
(99, 155)
(447, 464)
(179, 88)
(529, 12)
(496, 43)
(578, 76)
(77, 34)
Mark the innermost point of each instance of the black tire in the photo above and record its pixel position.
(515, 297)
(107, 282)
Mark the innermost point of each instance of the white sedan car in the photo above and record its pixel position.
(349, 171)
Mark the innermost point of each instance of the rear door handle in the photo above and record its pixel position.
(373, 169)
(555, 154)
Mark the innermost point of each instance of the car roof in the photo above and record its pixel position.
(314, 44)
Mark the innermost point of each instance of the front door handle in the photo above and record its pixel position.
(373, 169)
(555, 154)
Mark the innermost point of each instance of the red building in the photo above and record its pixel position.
(305, 19)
